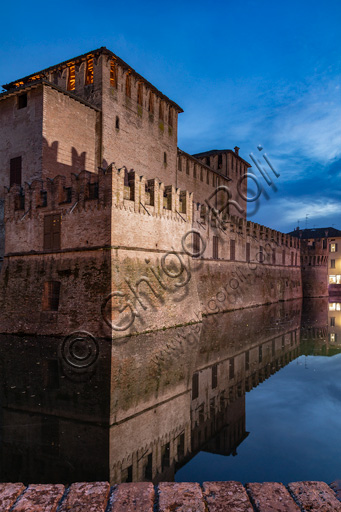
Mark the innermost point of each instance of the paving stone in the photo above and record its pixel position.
(231, 496)
(182, 497)
(336, 486)
(92, 497)
(40, 498)
(271, 497)
(315, 496)
(138, 496)
(9, 494)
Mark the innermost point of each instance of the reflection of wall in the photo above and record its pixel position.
(156, 423)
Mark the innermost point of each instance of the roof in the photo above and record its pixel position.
(213, 152)
(36, 83)
(315, 233)
(98, 51)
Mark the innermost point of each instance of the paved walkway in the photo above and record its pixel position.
(171, 497)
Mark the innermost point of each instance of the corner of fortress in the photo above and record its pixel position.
(137, 245)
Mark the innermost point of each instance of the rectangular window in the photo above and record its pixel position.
(214, 376)
(51, 296)
(195, 171)
(332, 263)
(332, 321)
(247, 361)
(52, 232)
(215, 248)
(92, 192)
(333, 247)
(248, 252)
(71, 81)
(195, 386)
(196, 244)
(22, 100)
(231, 368)
(113, 74)
(15, 171)
(165, 456)
(89, 73)
(324, 243)
(232, 250)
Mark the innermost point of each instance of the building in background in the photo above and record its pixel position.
(331, 239)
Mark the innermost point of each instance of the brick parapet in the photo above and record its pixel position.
(168, 496)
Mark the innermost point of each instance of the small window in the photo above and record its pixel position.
(51, 296)
(15, 171)
(214, 376)
(140, 93)
(187, 167)
(195, 386)
(324, 243)
(232, 250)
(333, 247)
(92, 191)
(196, 244)
(248, 252)
(207, 160)
(128, 85)
(151, 103)
(231, 367)
(52, 232)
(117, 123)
(165, 158)
(215, 247)
(332, 321)
(332, 263)
(161, 115)
(220, 161)
(71, 81)
(113, 74)
(170, 117)
(22, 100)
(89, 73)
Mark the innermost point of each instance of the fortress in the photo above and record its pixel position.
(107, 227)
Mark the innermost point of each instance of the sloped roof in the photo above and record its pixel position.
(315, 233)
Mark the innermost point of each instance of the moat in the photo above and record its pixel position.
(250, 395)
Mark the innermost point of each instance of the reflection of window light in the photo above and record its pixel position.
(332, 337)
(335, 279)
(338, 306)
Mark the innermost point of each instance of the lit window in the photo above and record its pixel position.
(113, 74)
(89, 74)
(333, 247)
(332, 337)
(335, 279)
(332, 307)
(71, 81)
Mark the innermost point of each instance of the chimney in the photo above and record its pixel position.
(236, 150)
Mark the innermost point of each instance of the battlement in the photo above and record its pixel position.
(114, 187)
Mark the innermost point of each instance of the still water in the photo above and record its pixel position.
(250, 395)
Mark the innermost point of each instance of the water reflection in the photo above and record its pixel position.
(146, 405)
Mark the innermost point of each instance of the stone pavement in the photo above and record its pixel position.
(171, 497)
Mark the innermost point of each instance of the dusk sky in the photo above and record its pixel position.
(245, 73)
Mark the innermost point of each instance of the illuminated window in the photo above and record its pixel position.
(332, 337)
(71, 80)
(128, 85)
(335, 279)
(140, 93)
(89, 74)
(113, 74)
(332, 307)
(333, 247)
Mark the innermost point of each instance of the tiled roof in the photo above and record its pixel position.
(315, 233)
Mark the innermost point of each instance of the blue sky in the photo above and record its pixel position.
(246, 73)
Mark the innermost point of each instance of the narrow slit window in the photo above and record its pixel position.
(170, 117)
(15, 171)
(22, 101)
(151, 103)
(161, 115)
(128, 85)
(140, 93)
(52, 232)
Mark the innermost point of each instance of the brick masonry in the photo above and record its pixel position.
(168, 497)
